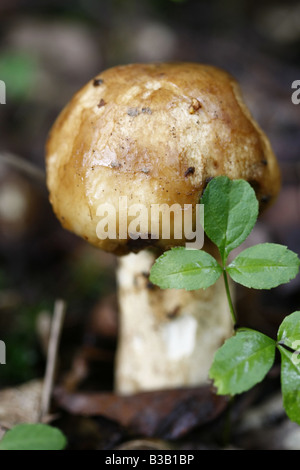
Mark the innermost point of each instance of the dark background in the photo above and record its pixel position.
(48, 50)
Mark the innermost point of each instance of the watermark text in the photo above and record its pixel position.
(296, 94)
(2, 353)
(157, 221)
(296, 354)
(2, 92)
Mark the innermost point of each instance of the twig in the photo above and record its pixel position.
(56, 328)
(23, 165)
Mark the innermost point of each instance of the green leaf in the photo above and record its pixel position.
(264, 266)
(289, 335)
(33, 437)
(290, 383)
(242, 362)
(289, 331)
(230, 212)
(182, 268)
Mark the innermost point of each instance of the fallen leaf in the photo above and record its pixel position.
(20, 404)
(167, 414)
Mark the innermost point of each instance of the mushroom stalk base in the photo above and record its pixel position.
(167, 338)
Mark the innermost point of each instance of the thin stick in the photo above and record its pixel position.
(56, 328)
(23, 165)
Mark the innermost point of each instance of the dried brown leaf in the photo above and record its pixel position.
(20, 404)
(167, 414)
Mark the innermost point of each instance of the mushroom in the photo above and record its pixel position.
(144, 135)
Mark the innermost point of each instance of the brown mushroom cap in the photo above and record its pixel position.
(156, 133)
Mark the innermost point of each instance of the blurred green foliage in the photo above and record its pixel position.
(23, 354)
(18, 70)
(88, 279)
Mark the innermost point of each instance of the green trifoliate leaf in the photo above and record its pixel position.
(33, 437)
(289, 336)
(182, 268)
(290, 383)
(230, 212)
(264, 266)
(242, 362)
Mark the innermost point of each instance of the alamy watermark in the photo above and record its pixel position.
(2, 92)
(2, 353)
(296, 94)
(157, 221)
(296, 354)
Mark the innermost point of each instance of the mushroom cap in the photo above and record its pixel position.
(156, 134)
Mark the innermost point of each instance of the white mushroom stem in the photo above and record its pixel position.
(167, 338)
